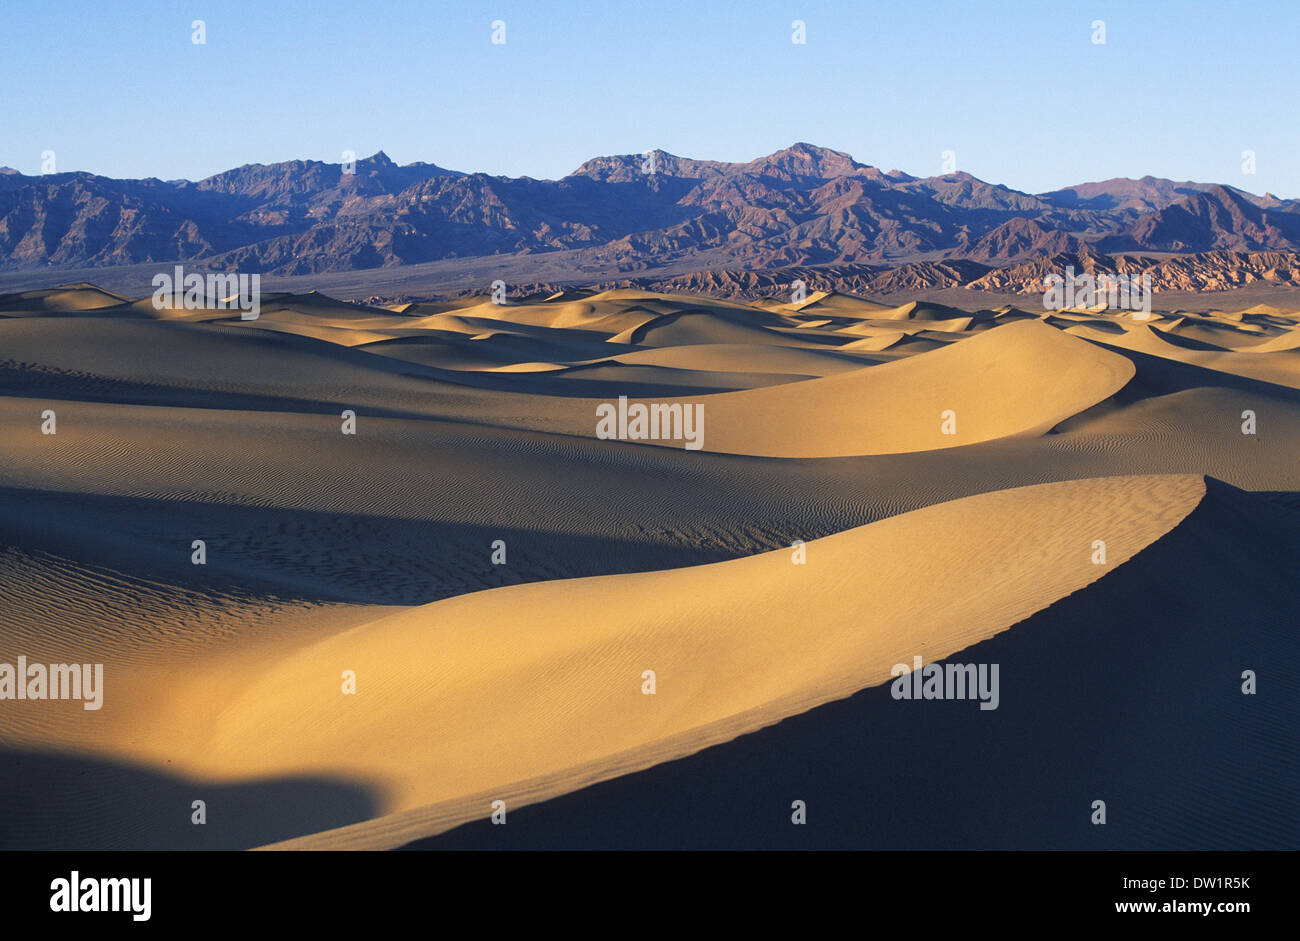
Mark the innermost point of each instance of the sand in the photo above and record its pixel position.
(826, 422)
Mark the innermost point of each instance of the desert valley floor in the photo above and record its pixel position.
(875, 483)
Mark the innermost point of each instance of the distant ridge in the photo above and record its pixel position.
(1205, 271)
(804, 205)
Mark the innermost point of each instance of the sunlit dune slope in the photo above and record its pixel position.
(1022, 378)
(543, 683)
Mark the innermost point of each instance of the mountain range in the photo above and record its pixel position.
(801, 206)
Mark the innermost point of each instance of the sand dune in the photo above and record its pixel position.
(1283, 367)
(744, 357)
(774, 638)
(840, 305)
(1135, 666)
(66, 299)
(823, 422)
(771, 640)
(1018, 379)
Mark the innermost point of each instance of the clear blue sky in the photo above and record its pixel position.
(1017, 89)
